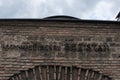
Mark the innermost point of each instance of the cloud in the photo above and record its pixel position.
(103, 10)
(84, 9)
(9, 8)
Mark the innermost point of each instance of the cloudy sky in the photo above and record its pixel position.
(84, 9)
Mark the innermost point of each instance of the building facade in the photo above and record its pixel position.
(59, 48)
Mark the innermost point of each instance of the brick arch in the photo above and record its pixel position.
(59, 72)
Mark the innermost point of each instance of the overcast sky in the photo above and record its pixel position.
(84, 9)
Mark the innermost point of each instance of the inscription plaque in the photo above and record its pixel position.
(51, 47)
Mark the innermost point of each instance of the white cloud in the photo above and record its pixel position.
(103, 10)
(1, 3)
(34, 7)
(70, 2)
(85, 9)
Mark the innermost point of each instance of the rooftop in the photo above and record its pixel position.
(118, 16)
(61, 17)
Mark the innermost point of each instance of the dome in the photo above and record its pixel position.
(61, 17)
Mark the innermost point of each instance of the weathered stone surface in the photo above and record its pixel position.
(88, 44)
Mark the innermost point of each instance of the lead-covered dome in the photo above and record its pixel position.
(61, 17)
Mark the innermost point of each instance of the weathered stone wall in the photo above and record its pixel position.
(90, 44)
(59, 72)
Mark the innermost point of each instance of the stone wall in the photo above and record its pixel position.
(90, 44)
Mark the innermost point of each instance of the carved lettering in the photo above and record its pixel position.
(87, 47)
(67, 47)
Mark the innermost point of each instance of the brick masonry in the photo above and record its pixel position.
(25, 44)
